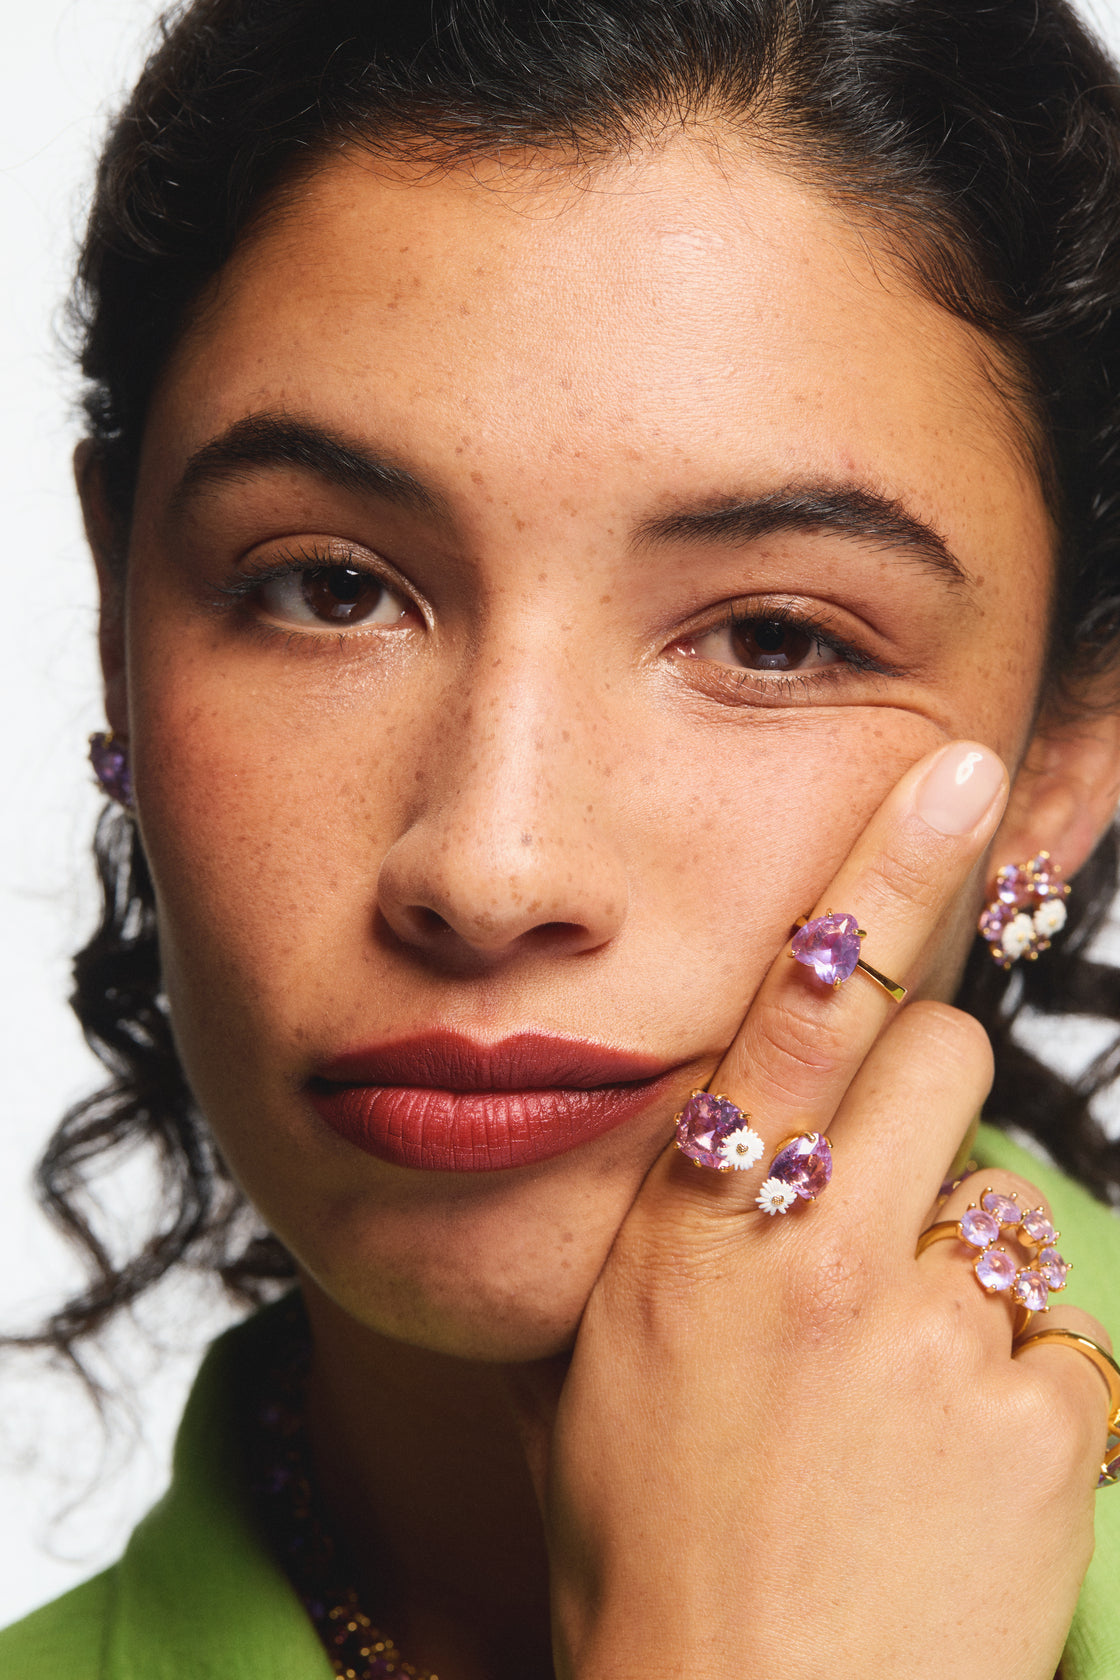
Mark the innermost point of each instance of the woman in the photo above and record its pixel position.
(578, 490)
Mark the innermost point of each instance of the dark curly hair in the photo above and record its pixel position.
(981, 140)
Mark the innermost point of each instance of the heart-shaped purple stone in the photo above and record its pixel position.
(805, 1164)
(830, 946)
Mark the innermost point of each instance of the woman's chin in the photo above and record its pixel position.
(479, 1318)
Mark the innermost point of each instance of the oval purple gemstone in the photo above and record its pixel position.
(111, 767)
(1036, 1227)
(830, 946)
(702, 1125)
(994, 919)
(979, 1228)
(995, 1269)
(1013, 884)
(1004, 1208)
(805, 1164)
(1054, 1267)
(1031, 1289)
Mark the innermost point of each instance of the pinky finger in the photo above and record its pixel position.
(1071, 1332)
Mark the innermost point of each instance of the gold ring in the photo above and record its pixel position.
(831, 946)
(1109, 1370)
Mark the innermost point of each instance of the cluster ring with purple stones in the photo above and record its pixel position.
(830, 945)
(979, 1229)
(713, 1132)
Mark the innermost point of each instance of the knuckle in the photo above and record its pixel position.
(948, 1036)
(791, 1044)
(824, 1299)
(905, 874)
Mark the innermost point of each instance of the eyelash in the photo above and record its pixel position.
(249, 581)
(791, 684)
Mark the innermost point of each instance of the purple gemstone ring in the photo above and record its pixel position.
(830, 945)
(979, 1227)
(713, 1132)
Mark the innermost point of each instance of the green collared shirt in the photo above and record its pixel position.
(197, 1597)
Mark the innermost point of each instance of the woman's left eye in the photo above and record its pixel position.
(765, 644)
(329, 597)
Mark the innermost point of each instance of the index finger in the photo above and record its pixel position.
(802, 1040)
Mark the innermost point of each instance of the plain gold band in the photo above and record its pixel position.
(891, 987)
(1092, 1351)
(940, 1232)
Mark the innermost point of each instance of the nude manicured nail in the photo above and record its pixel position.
(958, 788)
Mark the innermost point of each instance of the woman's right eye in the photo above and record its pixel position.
(330, 597)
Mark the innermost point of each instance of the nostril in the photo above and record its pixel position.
(554, 933)
(429, 923)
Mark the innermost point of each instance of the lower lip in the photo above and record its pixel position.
(478, 1131)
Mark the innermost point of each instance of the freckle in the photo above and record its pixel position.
(604, 600)
(477, 478)
(520, 524)
(542, 577)
(566, 735)
(526, 839)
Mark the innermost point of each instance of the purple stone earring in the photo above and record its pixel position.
(109, 758)
(1028, 909)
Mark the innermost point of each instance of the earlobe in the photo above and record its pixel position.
(1065, 793)
(107, 547)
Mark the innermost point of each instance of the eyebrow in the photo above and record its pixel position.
(844, 510)
(268, 441)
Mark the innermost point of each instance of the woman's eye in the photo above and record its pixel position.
(331, 595)
(765, 644)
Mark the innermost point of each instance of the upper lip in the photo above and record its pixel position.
(525, 1061)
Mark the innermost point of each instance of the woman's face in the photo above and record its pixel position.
(535, 585)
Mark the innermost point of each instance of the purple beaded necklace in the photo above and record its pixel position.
(283, 1490)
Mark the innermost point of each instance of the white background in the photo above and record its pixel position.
(67, 1500)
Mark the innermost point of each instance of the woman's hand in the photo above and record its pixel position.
(785, 1447)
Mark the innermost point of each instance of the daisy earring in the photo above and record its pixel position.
(1027, 911)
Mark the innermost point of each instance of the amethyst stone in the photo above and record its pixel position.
(829, 945)
(1054, 1267)
(110, 766)
(1036, 1227)
(1031, 1289)
(702, 1126)
(1004, 1208)
(995, 1269)
(805, 1164)
(979, 1229)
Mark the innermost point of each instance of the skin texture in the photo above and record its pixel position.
(547, 795)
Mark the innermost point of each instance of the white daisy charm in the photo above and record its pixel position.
(776, 1196)
(742, 1148)
(1050, 917)
(1018, 937)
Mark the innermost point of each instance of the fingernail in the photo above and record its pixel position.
(959, 788)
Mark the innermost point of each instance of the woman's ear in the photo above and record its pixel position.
(107, 546)
(1066, 791)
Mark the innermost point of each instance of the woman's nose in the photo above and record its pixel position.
(509, 847)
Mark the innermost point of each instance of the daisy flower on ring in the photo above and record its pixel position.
(776, 1196)
(741, 1148)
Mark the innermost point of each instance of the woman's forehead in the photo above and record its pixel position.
(682, 316)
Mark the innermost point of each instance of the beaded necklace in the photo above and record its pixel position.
(283, 1488)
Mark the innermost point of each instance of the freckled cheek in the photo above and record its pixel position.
(766, 820)
(263, 835)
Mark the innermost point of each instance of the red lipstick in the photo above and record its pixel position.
(443, 1102)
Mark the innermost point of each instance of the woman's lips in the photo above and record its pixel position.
(442, 1102)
